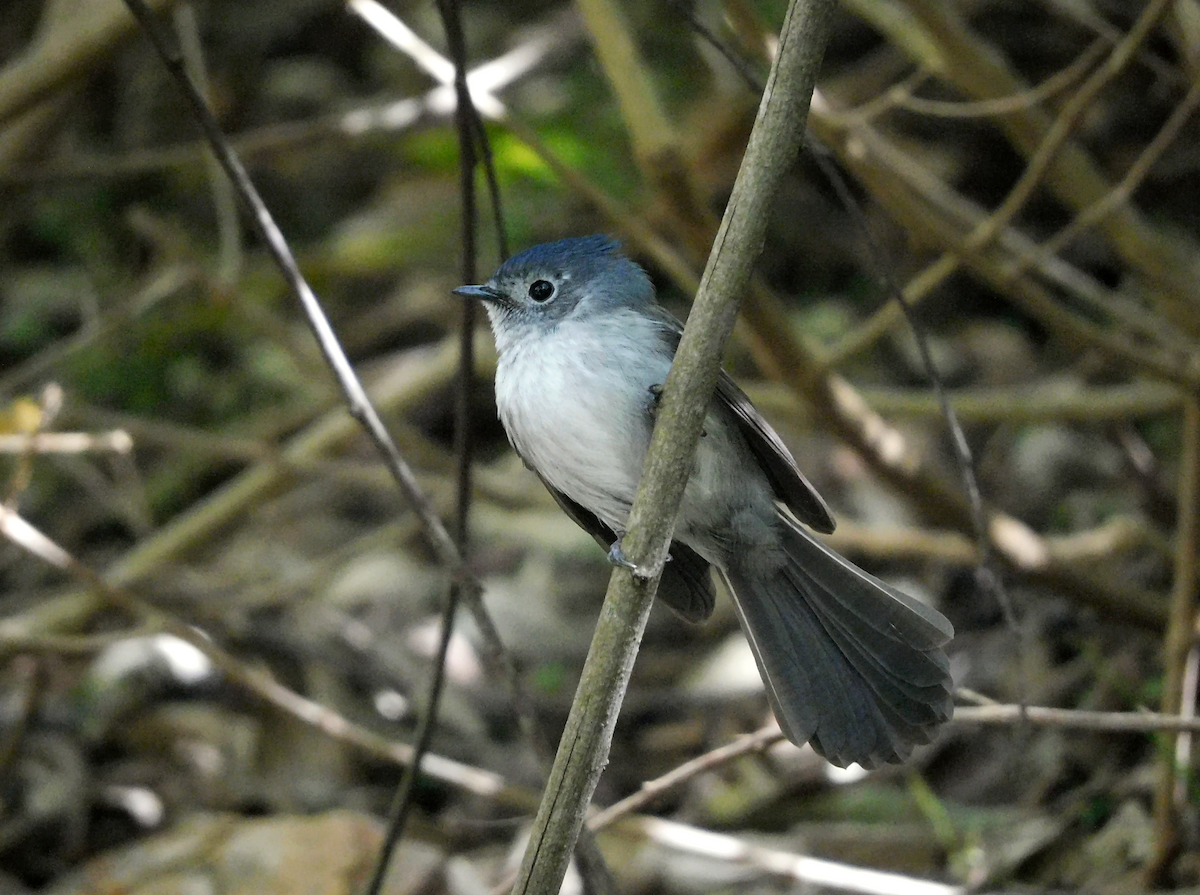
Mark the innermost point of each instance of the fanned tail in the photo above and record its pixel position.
(852, 665)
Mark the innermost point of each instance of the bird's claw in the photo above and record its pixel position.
(617, 557)
(655, 399)
(656, 396)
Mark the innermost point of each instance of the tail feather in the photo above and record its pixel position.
(851, 665)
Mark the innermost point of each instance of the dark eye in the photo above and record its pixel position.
(541, 290)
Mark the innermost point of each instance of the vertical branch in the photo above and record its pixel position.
(463, 399)
(583, 750)
(464, 123)
(1179, 636)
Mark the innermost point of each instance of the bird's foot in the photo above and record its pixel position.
(656, 398)
(617, 557)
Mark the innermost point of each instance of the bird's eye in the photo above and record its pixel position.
(541, 290)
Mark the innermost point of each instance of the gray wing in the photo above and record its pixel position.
(789, 483)
(685, 586)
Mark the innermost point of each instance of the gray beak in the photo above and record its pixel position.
(483, 293)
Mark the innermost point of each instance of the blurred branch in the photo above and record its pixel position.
(67, 443)
(901, 97)
(229, 226)
(401, 386)
(656, 145)
(758, 741)
(557, 33)
(1123, 191)
(68, 51)
(1048, 399)
(1104, 543)
(631, 82)
(978, 70)
(810, 872)
(26, 132)
(931, 210)
(260, 684)
(72, 644)
(1180, 637)
(160, 283)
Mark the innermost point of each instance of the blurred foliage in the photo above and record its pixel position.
(244, 509)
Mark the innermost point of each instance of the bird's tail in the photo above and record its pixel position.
(851, 665)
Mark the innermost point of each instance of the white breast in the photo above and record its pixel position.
(574, 401)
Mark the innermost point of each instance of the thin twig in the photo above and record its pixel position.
(357, 401)
(229, 225)
(1124, 190)
(1074, 719)
(117, 442)
(1180, 635)
(809, 871)
(901, 96)
(761, 739)
(986, 577)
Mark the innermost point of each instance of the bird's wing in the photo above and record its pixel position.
(791, 486)
(685, 586)
(789, 483)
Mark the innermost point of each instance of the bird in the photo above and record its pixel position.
(851, 665)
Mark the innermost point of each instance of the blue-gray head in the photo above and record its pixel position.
(557, 280)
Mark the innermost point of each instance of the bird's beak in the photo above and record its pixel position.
(483, 293)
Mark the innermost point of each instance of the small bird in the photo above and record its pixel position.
(851, 665)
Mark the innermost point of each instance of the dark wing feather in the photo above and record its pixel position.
(790, 485)
(685, 586)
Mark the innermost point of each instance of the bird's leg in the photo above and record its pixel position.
(656, 397)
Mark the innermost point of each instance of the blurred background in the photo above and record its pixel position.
(1027, 172)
